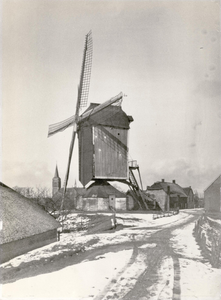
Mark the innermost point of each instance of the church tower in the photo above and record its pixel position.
(56, 182)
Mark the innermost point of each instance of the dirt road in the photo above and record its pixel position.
(142, 263)
(147, 259)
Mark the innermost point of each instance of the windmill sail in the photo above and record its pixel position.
(100, 107)
(57, 127)
(60, 126)
(86, 71)
(83, 91)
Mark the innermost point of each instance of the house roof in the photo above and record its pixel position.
(102, 189)
(187, 190)
(145, 194)
(175, 189)
(21, 217)
(112, 116)
(218, 178)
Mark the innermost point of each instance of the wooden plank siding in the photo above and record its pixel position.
(110, 159)
(100, 157)
(86, 152)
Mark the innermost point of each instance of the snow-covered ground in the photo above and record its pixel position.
(75, 242)
(89, 279)
(163, 288)
(147, 220)
(79, 281)
(198, 279)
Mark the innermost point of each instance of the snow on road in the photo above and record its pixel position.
(82, 280)
(90, 279)
(163, 288)
(79, 241)
(198, 280)
(184, 242)
(79, 281)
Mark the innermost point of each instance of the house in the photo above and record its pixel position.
(101, 196)
(212, 196)
(25, 225)
(190, 197)
(170, 195)
(133, 203)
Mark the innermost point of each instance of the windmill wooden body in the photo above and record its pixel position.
(103, 144)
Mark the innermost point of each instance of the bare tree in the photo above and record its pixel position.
(39, 195)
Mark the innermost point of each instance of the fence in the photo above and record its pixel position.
(162, 214)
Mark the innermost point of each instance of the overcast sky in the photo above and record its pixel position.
(164, 55)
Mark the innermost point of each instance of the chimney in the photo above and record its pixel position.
(162, 180)
(174, 181)
(168, 190)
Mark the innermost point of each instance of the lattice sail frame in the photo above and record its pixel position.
(86, 70)
(60, 126)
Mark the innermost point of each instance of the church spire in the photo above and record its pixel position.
(56, 182)
(56, 172)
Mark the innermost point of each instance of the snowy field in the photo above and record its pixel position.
(84, 277)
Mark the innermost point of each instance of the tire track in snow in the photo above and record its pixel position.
(127, 277)
(144, 288)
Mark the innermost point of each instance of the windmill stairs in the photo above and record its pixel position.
(143, 202)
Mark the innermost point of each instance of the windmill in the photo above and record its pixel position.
(103, 134)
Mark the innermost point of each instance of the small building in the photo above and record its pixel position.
(190, 197)
(212, 196)
(101, 196)
(170, 195)
(25, 225)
